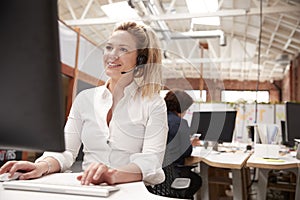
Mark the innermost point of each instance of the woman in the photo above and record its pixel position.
(122, 124)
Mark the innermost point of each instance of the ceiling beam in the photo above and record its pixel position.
(180, 16)
(88, 6)
(71, 10)
(273, 34)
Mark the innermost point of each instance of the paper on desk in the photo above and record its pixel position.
(272, 160)
(267, 133)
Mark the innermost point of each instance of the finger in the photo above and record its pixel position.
(21, 166)
(85, 175)
(110, 178)
(111, 171)
(101, 169)
(91, 172)
(7, 166)
(30, 175)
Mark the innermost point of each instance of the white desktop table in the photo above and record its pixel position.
(132, 191)
(286, 162)
(230, 160)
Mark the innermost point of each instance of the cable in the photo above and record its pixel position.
(258, 76)
(258, 59)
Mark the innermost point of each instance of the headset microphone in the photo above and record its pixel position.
(125, 72)
(140, 62)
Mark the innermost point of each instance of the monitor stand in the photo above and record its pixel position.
(298, 151)
(213, 143)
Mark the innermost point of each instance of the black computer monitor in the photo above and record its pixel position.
(292, 122)
(283, 132)
(31, 110)
(214, 125)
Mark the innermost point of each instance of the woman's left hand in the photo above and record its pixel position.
(97, 173)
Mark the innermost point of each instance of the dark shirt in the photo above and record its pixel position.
(178, 143)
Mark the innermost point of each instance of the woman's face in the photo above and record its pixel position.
(120, 54)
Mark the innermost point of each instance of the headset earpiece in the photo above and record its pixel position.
(141, 60)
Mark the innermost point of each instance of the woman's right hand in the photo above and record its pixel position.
(195, 142)
(30, 170)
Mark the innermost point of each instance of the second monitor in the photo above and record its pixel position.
(214, 125)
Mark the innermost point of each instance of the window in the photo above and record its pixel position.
(247, 96)
(195, 94)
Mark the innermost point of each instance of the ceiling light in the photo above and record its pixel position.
(203, 6)
(120, 11)
(201, 34)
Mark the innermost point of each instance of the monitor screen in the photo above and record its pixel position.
(214, 125)
(292, 122)
(31, 116)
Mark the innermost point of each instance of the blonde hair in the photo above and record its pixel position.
(148, 77)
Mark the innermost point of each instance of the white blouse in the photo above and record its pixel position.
(137, 132)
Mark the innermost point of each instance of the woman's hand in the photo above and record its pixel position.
(30, 170)
(98, 173)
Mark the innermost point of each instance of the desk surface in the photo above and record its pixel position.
(230, 160)
(135, 190)
(283, 162)
(286, 162)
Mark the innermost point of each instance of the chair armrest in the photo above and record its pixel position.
(187, 166)
(181, 183)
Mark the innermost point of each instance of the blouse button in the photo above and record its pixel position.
(104, 95)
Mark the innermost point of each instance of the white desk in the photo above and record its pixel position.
(286, 162)
(134, 191)
(234, 161)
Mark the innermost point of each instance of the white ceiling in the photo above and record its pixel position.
(240, 22)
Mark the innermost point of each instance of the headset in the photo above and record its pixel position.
(141, 60)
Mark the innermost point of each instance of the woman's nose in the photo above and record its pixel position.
(114, 55)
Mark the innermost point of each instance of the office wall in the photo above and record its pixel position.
(215, 87)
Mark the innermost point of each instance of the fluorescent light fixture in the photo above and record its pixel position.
(203, 6)
(201, 34)
(120, 11)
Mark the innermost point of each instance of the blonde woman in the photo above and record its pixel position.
(122, 124)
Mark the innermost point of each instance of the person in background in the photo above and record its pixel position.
(122, 124)
(180, 144)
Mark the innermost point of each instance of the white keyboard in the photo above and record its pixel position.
(76, 189)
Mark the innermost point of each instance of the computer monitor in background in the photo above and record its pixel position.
(31, 110)
(292, 122)
(283, 132)
(214, 125)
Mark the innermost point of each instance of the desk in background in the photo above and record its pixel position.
(286, 162)
(132, 191)
(229, 160)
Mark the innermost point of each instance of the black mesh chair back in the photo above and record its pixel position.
(172, 172)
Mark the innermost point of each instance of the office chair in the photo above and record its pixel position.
(172, 172)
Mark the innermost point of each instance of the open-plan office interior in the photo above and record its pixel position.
(238, 59)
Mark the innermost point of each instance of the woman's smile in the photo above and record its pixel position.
(113, 65)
